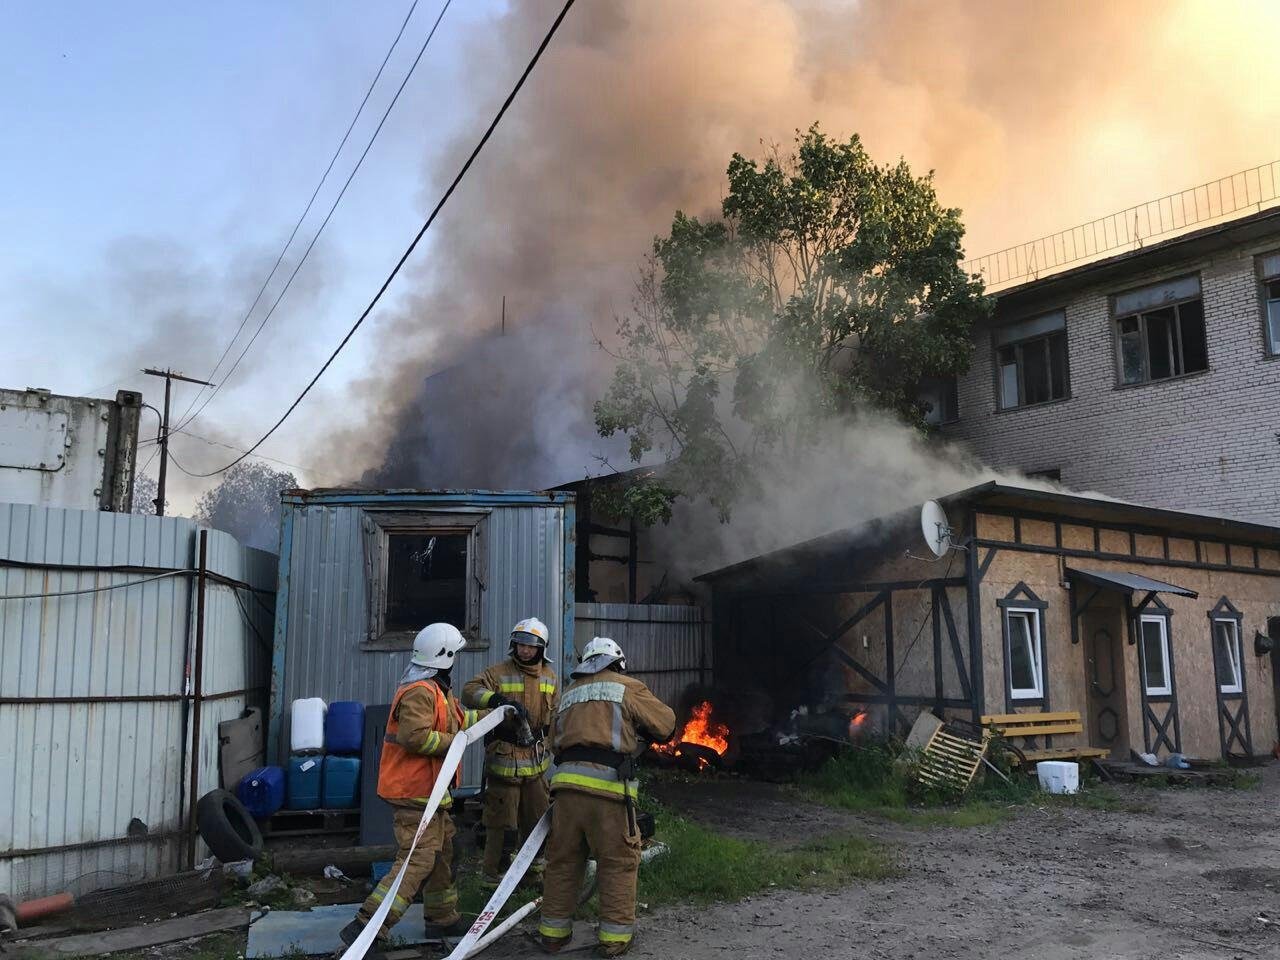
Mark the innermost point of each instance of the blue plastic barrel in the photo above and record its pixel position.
(262, 791)
(344, 727)
(341, 788)
(304, 782)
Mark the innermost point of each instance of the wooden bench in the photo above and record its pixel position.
(1044, 724)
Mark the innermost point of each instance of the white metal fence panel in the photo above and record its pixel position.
(667, 646)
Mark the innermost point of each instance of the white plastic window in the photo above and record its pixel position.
(1026, 664)
(1155, 656)
(1226, 655)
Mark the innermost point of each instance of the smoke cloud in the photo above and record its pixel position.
(1035, 116)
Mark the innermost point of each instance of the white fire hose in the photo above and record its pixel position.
(452, 759)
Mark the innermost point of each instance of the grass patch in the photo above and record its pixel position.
(878, 779)
(706, 867)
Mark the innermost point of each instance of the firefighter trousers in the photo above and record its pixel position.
(586, 826)
(430, 869)
(510, 806)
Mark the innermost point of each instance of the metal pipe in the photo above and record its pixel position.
(197, 684)
(31, 910)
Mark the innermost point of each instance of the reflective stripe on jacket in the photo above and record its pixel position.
(420, 729)
(534, 686)
(606, 711)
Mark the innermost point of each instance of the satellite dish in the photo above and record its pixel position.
(936, 529)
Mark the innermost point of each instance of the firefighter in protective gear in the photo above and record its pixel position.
(604, 716)
(424, 719)
(516, 794)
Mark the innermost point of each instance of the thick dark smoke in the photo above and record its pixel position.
(1036, 116)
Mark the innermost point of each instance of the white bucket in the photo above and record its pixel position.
(1058, 776)
(306, 728)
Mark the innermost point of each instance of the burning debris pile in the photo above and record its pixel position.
(807, 738)
(703, 740)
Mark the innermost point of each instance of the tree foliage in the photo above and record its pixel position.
(827, 284)
(145, 491)
(246, 503)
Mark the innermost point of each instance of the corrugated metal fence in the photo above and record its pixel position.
(667, 646)
(100, 698)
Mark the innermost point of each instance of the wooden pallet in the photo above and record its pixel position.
(950, 762)
(306, 823)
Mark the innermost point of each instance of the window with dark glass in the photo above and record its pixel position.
(426, 580)
(1160, 331)
(940, 397)
(1269, 270)
(1031, 361)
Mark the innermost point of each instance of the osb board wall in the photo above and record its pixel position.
(913, 643)
(1064, 661)
(1256, 596)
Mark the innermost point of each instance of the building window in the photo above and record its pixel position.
(1160, 331)
(1024, 653)
(1226, 655)
(1156, 675)
(421, 568)
(1269, 272)
(940, 398)
(426, 580)
(1031, 361)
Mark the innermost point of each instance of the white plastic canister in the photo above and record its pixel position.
(1058, 776)
(306, 729)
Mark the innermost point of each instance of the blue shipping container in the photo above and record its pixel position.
(262, 791)
(341, 782)
(344, 727)
(304, 782)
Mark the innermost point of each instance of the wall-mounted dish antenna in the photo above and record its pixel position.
(936, 528)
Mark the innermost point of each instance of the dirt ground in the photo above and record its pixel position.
(1183, 874)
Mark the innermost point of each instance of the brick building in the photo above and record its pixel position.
(1151, 376)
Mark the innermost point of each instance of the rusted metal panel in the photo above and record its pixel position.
(93, 690)
(324, 583)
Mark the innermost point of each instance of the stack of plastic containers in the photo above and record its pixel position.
(344, 737)
(306, 749)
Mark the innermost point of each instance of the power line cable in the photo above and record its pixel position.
(412, 246)
(231, 446)
(103, 589)
(328, 216)
(297, 226)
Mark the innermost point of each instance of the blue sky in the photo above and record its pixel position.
(183, 140)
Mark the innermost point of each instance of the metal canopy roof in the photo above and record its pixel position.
(1129, 582)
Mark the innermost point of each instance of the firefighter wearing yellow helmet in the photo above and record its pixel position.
(516, 792)
(599, 729)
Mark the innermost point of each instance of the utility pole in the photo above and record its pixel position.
(169, 377)
(504, 315)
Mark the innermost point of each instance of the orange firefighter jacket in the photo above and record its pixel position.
(423, 722)
(533, 685)
(605, 712)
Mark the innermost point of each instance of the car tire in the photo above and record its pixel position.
(227, 828)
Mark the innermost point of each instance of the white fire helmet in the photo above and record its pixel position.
(532, 631)
(436, 645)
(600, 653)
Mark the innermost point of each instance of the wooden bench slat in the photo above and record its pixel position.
(1000, 719)
(1045, 730)
(1075, 753)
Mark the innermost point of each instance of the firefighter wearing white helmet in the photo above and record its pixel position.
(425, 717)
(516, 757)
(604, 719)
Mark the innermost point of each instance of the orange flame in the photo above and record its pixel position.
(855, 724)
(700, 729)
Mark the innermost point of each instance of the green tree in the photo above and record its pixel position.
(829, 283)
(246, 503)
